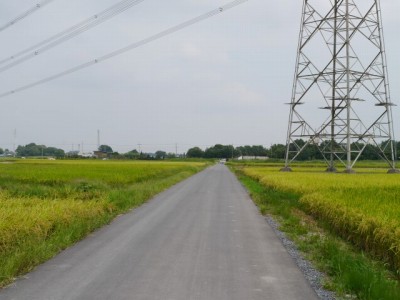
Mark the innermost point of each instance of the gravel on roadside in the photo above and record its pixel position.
(313, 276)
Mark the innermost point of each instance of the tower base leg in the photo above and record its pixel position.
(394, 171)
(331, 170)
(286, 169)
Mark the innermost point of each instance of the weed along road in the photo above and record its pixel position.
(202, 239)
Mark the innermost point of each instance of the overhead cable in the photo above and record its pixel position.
(129, 47)
(25, 14)
(67, 34)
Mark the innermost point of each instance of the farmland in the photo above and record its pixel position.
(363, 209)
(45, 206)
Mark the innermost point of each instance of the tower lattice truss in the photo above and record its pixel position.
(341, 102)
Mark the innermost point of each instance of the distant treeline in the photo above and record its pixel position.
(276, 151)
(38, 150)
(104, 151)
(227, 151)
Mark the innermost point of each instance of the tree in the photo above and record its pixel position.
(251, 151)
(161, 154)
(39, 150)
(30, 150)
(51, 151)
(105, 149)
(309, 152)
(1, 151)
(221, 151)
(278, 151)
(171, 155)
(195, 152)
(371, 152)
(133, 154)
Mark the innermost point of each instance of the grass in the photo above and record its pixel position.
(45, 206)
(363, 208)
(314, 208)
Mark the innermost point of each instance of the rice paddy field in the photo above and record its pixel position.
(363, 208)
(45, 206)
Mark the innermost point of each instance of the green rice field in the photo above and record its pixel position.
(45, 206)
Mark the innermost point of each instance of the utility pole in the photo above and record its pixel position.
(98, 139)
(15, 141)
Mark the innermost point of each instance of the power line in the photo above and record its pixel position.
(25, 14)
(129, 47)
(67, 34)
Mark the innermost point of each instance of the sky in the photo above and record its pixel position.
(224, 80)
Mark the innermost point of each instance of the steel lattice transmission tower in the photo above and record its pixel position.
(341, 102)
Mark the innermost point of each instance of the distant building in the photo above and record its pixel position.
(253, 158)
(100, 154)
(72, 153)
(151, 155)
(8, 153)
(86, 154)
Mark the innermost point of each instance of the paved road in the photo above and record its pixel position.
(201, 240)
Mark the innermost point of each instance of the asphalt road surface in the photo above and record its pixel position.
(203, 239)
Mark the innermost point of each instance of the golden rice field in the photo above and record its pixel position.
(47, 205)
(363, 208)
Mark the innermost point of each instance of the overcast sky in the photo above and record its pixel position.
(224, 80)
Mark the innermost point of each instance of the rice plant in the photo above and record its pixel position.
(363, 208)
(45, 206)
